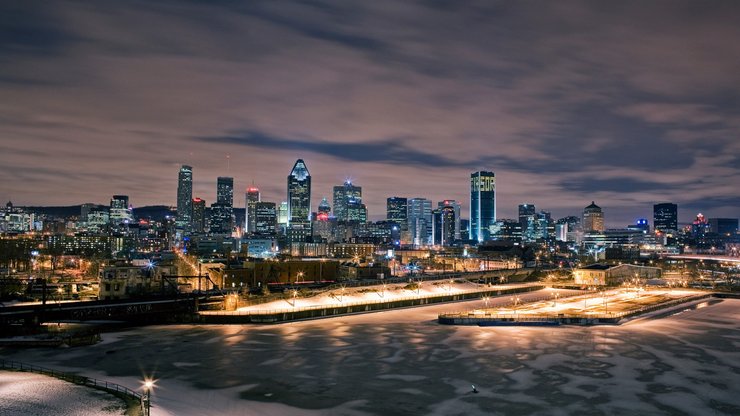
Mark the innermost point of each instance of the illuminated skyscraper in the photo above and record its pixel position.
(344, 196)
(222, 211)
(282, 214)
(665, 217)
(225, 191)
(199, 215)
(324, 209)
(482, 204)
(527, 214)
(265, 218)
(185, 196)
(444, 224)
(458, 208)
(299, 194)
(251, 198)
(593, 218)
(396, 211)
(120, 212)
(420, 221)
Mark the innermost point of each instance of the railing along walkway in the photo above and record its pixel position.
(116, 389)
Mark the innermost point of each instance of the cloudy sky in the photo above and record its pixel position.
(624, 103)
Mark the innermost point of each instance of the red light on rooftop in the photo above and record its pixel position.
(197, 200)
(253, 189)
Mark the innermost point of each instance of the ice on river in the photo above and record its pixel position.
(402, 362)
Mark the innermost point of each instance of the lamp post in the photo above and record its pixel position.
(147, 399)
(295, 295)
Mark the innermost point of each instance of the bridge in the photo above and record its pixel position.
(706, 257)
(140, 311)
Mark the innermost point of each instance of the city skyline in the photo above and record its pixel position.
(101, 101)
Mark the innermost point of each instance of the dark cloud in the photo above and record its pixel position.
(624, 102)
(616, 185)
(390, 151)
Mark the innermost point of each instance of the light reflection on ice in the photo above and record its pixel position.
(402, 362)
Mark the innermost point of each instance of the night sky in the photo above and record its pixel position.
(624, 103)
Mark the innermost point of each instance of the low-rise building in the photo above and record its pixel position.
(606, 275)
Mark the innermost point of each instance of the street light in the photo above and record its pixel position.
(147, 399)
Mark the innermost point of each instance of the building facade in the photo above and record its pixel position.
(252, 197)
(665, 218)
(299, 194)
(184, 196)
(482, 205)
(593, 218)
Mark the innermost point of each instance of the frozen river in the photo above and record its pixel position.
(402, 362)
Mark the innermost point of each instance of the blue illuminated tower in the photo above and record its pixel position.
(482, 204)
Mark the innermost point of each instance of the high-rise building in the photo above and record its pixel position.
(265, 218)
(252, 197)
(593, 218)
(356, 212)
(225, 191)
(85, 210)
(199, 215)
(221, 219)
(527, 220)
(545, 226)
(665, 217)
(724, 226)
(324, 209)
(457, 207)
(299, 194)
(566, 227)
(482, 204)
(222, 211)
(444, 223)
(396, 211)
(282, 212)
(120, 211)
(345, 195)
(420, 221)
(184, 196)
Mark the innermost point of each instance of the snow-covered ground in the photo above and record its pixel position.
(374, 294)
(401, 362)
(25, 394)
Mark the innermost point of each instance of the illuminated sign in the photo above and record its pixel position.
(483, 183)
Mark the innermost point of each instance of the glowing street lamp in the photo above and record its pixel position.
(147, 398)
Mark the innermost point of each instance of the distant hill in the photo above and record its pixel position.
(154, 212)
(151, 212)
(60, 212)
